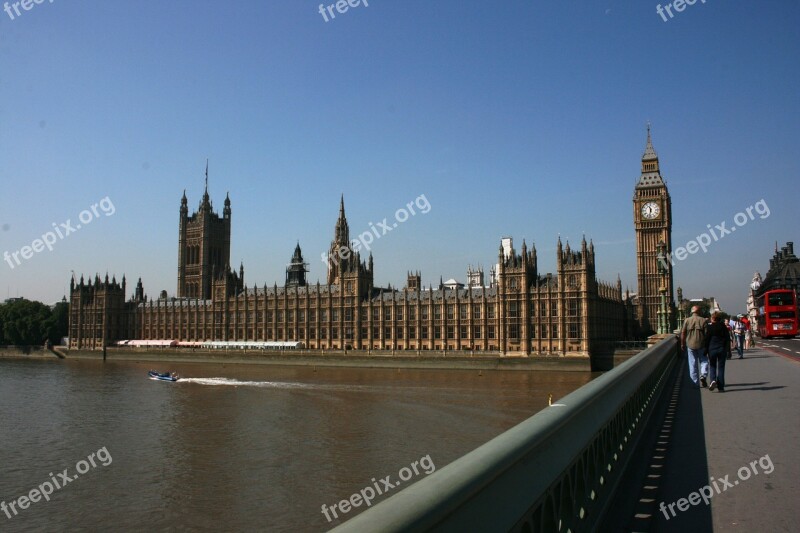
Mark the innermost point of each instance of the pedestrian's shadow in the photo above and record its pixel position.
(729, 389)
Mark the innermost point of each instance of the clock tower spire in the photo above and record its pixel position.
(652, 216)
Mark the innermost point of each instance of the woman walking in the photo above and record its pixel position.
(748, 334)
(718, 348)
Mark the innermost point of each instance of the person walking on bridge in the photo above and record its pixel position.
(729, 327)
(748, 334)
(718, 347)
(693, 340)
(738, 332)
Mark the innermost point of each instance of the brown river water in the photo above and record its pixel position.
(236, 447)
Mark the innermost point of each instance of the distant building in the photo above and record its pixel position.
(474, 277)
(452, 284)
(569, 312)
(783, 273)
(707, 305)
(784, 270)
(752, 307)
(522, 311)
(711, 302)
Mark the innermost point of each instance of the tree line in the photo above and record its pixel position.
(25, 322)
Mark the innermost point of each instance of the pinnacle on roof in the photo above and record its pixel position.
(651, 174)
(649, 151)
(205, 202)
(297, 256)
(342, 231)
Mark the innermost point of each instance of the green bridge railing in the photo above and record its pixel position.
(556, 471)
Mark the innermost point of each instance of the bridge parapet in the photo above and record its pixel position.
(556, 471)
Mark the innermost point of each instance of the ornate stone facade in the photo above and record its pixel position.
(204, 246)
(524, 312)
(784, 271)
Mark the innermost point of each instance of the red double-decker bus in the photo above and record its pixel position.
(777, 314)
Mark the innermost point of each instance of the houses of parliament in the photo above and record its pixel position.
(520, 311)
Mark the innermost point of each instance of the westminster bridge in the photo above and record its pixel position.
(637, 449)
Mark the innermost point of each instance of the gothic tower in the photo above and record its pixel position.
(204, 246)
(340, 254)
(652, 216)
(345, 267)
(579, 289)
(414, 281)
(516, 274)
(296, 271)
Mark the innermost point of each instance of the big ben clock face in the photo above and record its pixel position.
(651, 210)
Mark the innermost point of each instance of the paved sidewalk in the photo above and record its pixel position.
(753, 426)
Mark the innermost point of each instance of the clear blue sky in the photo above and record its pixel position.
(513, 118)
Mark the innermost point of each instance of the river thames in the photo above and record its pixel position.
(236, 447)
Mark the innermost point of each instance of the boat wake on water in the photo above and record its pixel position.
(230, 382)
(238, 383)
(293, 385)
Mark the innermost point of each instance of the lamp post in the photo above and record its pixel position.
(663, 317)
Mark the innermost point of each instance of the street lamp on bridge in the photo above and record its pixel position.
(663, 313)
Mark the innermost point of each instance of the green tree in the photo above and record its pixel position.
(25, 322)
(58, 323)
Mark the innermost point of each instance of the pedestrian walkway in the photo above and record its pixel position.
(738, 450)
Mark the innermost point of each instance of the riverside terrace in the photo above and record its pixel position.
(604, 456)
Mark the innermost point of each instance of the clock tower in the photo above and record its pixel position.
(652, 216)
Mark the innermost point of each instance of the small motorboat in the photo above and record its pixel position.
(166, 376)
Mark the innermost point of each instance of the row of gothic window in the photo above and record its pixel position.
(572, 282)
(513, 332)
(573, 310)
(193, 255)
